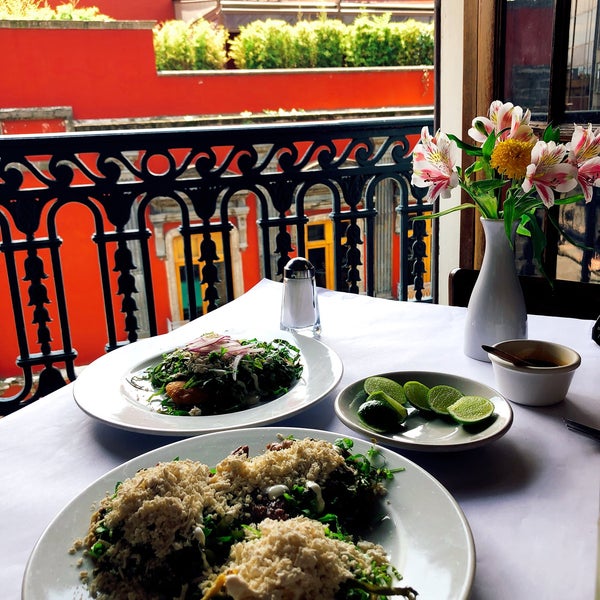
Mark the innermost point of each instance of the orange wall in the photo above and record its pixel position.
(104, 74)
(127, 10)
(50, 125)
(252, 272)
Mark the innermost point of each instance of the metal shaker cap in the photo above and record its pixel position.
(298, 268)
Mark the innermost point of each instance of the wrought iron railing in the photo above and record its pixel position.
(127, 185)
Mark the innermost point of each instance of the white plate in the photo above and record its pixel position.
(103, 390)
(426, 535)
(435, 434)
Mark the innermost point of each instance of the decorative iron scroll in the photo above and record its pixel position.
(125, 179)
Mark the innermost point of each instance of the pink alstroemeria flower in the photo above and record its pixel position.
(434, 164)
(549, 172)
(505, 120)
(584, 151)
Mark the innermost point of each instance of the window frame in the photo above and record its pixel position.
(484, 31)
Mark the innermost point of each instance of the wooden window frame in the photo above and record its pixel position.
(483, 75)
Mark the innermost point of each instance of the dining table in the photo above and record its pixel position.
(531, 497)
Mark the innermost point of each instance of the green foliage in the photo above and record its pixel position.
(199, 45)
(303, 47)
(274, 44)
(331, 43)
(417, 43)
(18, 9)
(209, 43)
(70, 12)
(263, 45)
(378, 42)
(172, 46)
(38, 11)
(373, 42)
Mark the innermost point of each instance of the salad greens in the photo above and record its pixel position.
(216, 374)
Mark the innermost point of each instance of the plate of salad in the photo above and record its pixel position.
(244, 507)
(212, 381)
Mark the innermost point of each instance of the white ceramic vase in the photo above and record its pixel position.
(496, 310)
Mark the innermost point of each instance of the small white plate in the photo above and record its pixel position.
(430, 434)
(425, 533)
(104, 390)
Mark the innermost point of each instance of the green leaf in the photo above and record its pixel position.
(466, 174)
(485, 201)
(567, 237)
(444, 212)
(509, 215)
(488, 146)
(530, 224)
(468, 148)
(551, 134)
(488, 185)
(479, 165)
(569, 200)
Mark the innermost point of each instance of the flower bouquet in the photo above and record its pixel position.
(514, 172)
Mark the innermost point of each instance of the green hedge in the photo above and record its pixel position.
(378, 42)
(179, 46)
(263, 45)
(38, 10)
(275, 44)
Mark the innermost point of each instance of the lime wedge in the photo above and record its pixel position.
(379, 415)
(385, 384)
(471, 409)
(416, 394)
(384, 398)
(440, 397)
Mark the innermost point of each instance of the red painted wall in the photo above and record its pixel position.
(17, 127)
(111, 73)
(128, 10)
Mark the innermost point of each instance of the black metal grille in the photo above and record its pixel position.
(124, 179)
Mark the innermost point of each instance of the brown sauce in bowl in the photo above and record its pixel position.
(542, 362)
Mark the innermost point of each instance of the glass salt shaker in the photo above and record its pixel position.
(299, 305)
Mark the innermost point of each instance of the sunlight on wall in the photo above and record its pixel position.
(450, 119)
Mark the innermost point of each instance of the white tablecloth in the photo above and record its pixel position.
(531, 498)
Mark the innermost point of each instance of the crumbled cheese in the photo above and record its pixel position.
(305, 459)
(157, 506)
(293, 560)
(161, 510)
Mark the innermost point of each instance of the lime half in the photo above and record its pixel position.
(385, 384)
(471, 409)
(416, 393)
(440, 397)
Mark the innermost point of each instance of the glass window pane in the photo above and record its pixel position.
(529, 43)
(318, 258)
(528, 52)
(316, 233)
(582, 70)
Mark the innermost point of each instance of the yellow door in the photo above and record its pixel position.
(180, 274)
